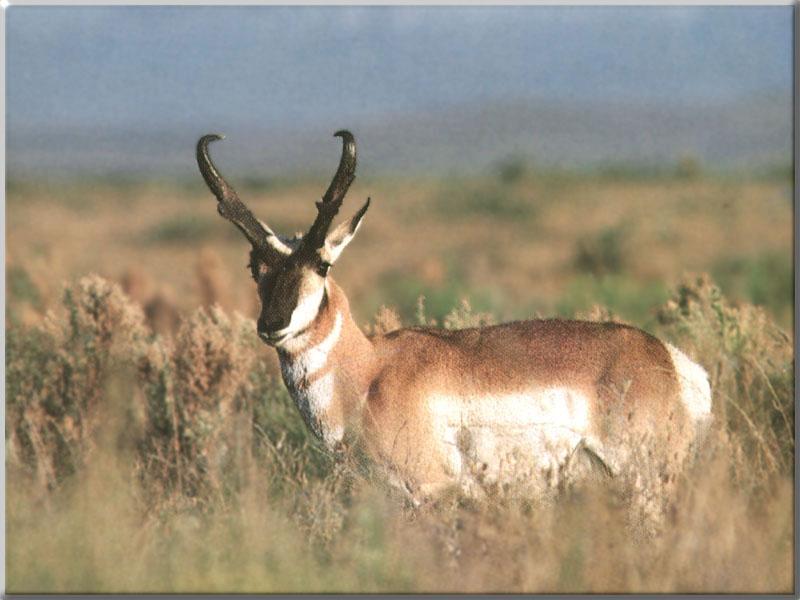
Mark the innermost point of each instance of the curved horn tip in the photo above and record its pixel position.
(211, 137)
(345, 135)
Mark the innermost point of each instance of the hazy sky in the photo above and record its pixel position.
(124, 64)
(148, 69)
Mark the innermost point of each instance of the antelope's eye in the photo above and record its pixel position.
(322, 268)
(257, 268)
(253, 269)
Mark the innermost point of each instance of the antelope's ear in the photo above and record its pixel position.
(338, 239)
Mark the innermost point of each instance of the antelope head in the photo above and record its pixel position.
(290, 273)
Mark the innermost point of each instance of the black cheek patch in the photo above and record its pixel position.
(281, 299)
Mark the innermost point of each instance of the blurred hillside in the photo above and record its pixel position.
(746, 135)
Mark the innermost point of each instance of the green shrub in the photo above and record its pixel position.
(631, 299)
(511, 170)
(750, 362)
(56, 375)
(402, 291)
(183, 229)
(766, 280)
(631, 171)
(488, 198)
(604, 253)
(21, 288)
(688, 167)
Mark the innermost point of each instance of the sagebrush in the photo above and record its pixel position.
(154, 462)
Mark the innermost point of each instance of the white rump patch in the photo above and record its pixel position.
(694, 386)
(526, 436)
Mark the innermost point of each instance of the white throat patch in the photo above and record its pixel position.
(306, 310)
(316, 357)
(314, 395)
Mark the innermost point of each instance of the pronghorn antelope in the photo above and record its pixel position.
(525, 401)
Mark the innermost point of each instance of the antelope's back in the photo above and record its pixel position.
(590, 357)
(534, 385)
(628, 377)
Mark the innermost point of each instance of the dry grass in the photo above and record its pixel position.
(164, 454)
(180, 465)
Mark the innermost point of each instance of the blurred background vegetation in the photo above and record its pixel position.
(151, 445)
(515, 240)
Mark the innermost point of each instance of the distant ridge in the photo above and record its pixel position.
(751, 132)
(128, 89)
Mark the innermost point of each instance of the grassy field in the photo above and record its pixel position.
(152, 447)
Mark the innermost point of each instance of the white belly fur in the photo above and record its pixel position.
(523, 438)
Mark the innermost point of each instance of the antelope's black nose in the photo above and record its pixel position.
(266, 329)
